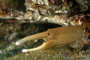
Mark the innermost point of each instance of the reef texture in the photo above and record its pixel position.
(10, 33)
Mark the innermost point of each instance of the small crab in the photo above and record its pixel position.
(53, 11)
(56, 37)
(73, 28)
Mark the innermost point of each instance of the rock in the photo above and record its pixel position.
(13, 36)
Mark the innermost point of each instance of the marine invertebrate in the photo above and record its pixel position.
(53, 11)
(76, 28)
(55, 37)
